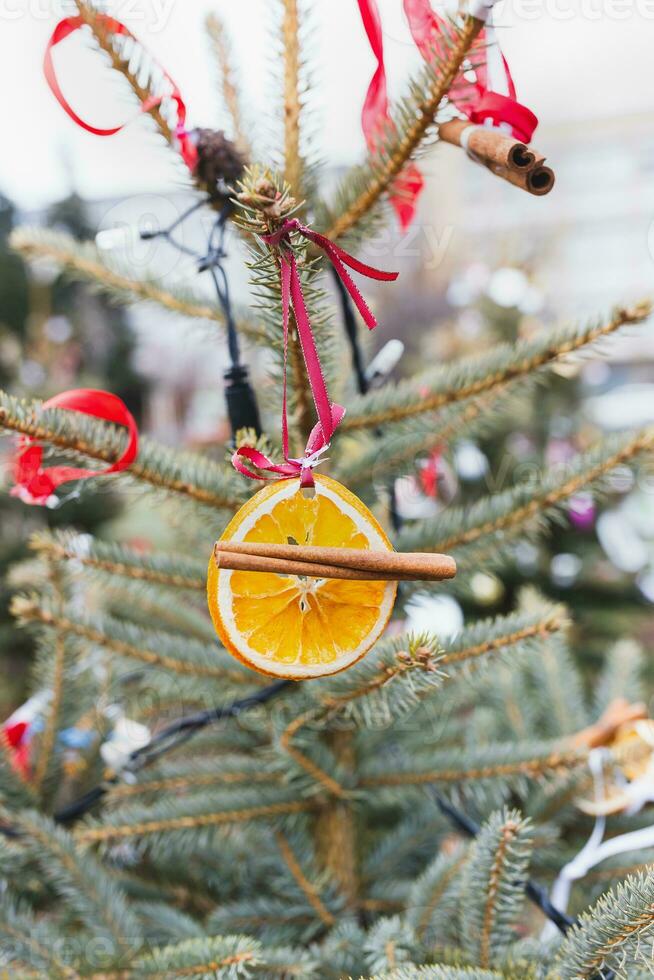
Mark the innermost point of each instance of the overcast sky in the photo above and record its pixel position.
(571, 59)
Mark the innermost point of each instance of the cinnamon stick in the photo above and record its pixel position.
(538, 181)
(505, 156)
(343, 563)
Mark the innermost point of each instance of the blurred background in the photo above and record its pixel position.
(484, 262)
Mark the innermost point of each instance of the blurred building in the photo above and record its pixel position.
(590, 242)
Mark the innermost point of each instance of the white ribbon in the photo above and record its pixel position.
(596, 849)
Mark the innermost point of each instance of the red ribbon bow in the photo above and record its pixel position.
(375, 119)
(68, 26)
(35, 485)
(480, 100)
(329, 414)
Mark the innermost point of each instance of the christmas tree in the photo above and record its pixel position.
(169, 812)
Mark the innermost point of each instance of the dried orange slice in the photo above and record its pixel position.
(289, 625)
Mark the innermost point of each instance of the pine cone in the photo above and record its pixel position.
(220, 165)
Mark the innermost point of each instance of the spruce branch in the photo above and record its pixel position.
(434, 896)
(445, 972)
(49, 737)
(408, 670)
(141, 83)
(216, 956)
(31, 941)
(517, 630)
(366, 185)
(144, 604)
(190, 821)
(310, 891)
(386, 685)
(194, 659)
(114, 277)
(417, 832)
(293, 163)
(179, 784)
(84, 885)
(500, 515)
(612, 933)
(203, 770)
(395, 453)
(186, 474)
(15, 789)
(492, 887)
(325, 779)
(475, 376)
(488, 762)
(223, 56)
(173, 571)
(144, 78)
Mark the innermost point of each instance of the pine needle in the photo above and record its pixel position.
(223, 57)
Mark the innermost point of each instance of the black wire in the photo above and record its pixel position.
(211, 261)
(351, 332)
(182, 729)
(166, 740)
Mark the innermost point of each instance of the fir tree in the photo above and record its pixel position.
(317, 829)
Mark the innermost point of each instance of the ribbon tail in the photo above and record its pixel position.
(375, 119)
(262, 462)
(285, 283)
(407, 189)
(310, 353)
(339, 259)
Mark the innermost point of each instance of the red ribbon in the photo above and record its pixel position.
(474, 99)
(35, 485)
(329, 414)
(375, 120)
(16, 735)
(68, 26)
(430, 472)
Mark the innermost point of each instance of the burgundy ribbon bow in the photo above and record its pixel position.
(329, 414)
(68, 26)
(35, 485)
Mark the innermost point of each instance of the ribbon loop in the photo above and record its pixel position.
(35, 485)
(68, 26)
(329, 414)
(376, 119)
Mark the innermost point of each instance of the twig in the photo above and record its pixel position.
(292, 103)
(535, 892)
(623, 316)
(222, 51)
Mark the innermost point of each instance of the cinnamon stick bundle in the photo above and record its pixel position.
(505, 156)
(341, 563)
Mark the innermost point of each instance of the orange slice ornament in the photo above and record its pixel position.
(296, 626)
